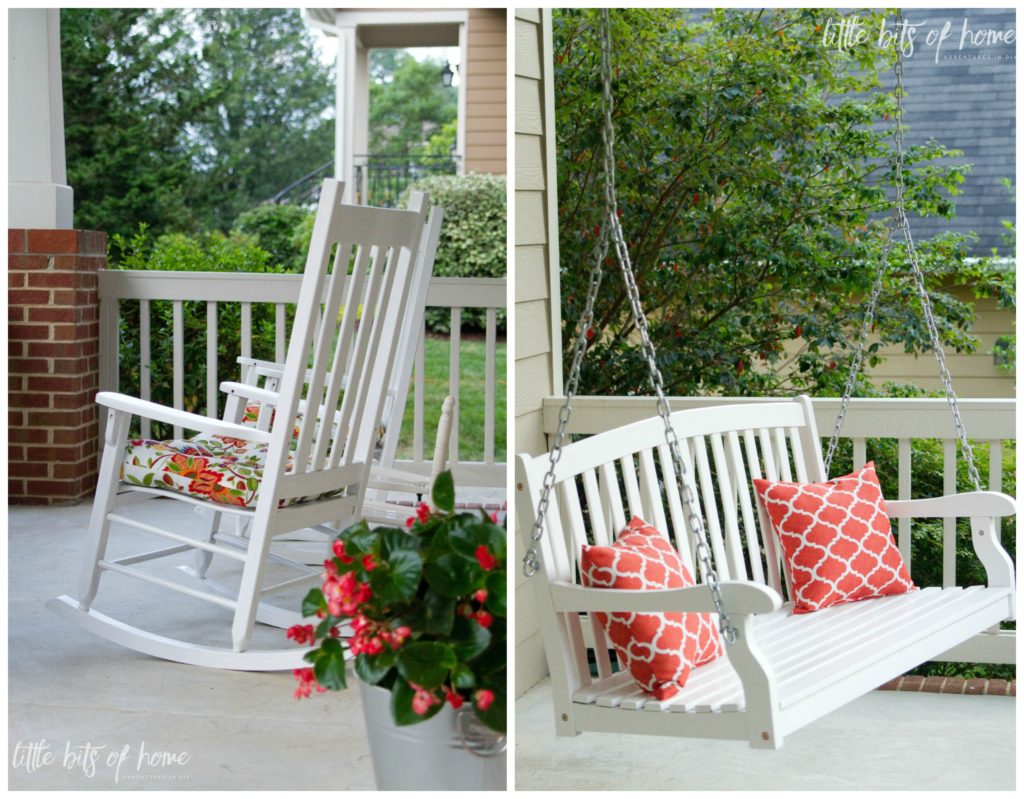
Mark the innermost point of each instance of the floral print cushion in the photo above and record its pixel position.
(216, 468)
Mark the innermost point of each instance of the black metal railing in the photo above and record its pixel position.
(381, 179)
(305, 190)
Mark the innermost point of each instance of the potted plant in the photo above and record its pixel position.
(422, 611)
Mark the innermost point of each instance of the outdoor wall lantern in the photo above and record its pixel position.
(447, 74)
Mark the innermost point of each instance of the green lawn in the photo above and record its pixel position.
(472, 373)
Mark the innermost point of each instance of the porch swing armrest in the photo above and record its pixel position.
(972, 503)
(739, 597)
(190, 421)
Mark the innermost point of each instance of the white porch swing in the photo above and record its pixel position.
(782, 671)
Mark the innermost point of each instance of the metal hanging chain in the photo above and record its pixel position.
(900, 222)
(694, 519)
(531, 560)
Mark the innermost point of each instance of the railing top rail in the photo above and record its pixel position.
(123, 284)
(870, 417)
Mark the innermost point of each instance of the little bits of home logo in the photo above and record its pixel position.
(125, 763)
(944, 39)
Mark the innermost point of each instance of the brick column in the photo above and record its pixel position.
(53, 364)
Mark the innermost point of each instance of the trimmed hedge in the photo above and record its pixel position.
(473, 236)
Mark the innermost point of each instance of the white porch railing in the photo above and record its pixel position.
(987, 421)
(246, 289)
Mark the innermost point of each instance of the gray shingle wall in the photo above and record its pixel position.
(966, 101)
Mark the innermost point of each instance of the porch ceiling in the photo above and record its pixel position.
(395, 28)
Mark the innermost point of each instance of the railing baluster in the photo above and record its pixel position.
(904, 473)
(211, 360)
(489, 375)
(995, 472)
(453, 380)
(246, 329)
(860, 452)
(948, 525)
(279, 332)
(417, 402)
(145, 365)
(179, 360)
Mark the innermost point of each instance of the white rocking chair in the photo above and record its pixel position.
(267, 375)
(784, 670)
(354, 295)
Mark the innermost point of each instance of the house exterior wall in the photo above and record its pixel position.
(974, 374)
(537, 312)
(485, 86)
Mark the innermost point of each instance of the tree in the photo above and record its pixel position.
(753, 188)
(127, 78)
(408, 104)
(182, 119)
(267, 110)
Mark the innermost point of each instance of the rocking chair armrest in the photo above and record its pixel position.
(739, 596)
(384, 478)
(263, 395)
(190, 421)
(973, 503)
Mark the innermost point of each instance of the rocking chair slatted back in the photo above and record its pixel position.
(603, 480)
(344, 337)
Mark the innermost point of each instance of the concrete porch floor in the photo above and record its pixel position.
(886, 740)
(68, 688)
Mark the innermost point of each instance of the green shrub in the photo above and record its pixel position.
(207, 252)
(274, 228)
(472, 237)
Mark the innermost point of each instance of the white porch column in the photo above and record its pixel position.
(37, 192)
(345, 124)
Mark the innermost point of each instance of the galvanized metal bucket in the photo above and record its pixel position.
(452, 751)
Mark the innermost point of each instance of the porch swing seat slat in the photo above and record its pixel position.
(813, 651)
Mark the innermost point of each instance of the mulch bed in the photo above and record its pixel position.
(952, 685)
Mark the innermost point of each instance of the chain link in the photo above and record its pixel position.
(899, 221)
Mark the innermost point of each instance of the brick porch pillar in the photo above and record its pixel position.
(53, 334)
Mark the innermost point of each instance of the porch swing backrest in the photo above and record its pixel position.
(342, 347)
(601, 481)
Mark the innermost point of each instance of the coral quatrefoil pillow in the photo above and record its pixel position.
(836, 539)
(659, 649)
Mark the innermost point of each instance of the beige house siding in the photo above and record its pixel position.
(974, 374)
(536, 317)
(486, 92)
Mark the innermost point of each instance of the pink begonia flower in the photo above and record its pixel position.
(484, 557)
(301, 634)
(481, 596)
(369, 563)
(423, 512)
(454, 699)
(484, 698)
(306, 683)
(422, 701)
(484, 619)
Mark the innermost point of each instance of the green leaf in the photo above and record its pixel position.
(398, 578)
(497, 588)
(426, 663)
(462, 677)
(329, 665)
(469, 639)
(443, 492)
(394, 540)
(313, 602)
(472, 533)
(451, 575)
(436, 614)
(371, 669)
